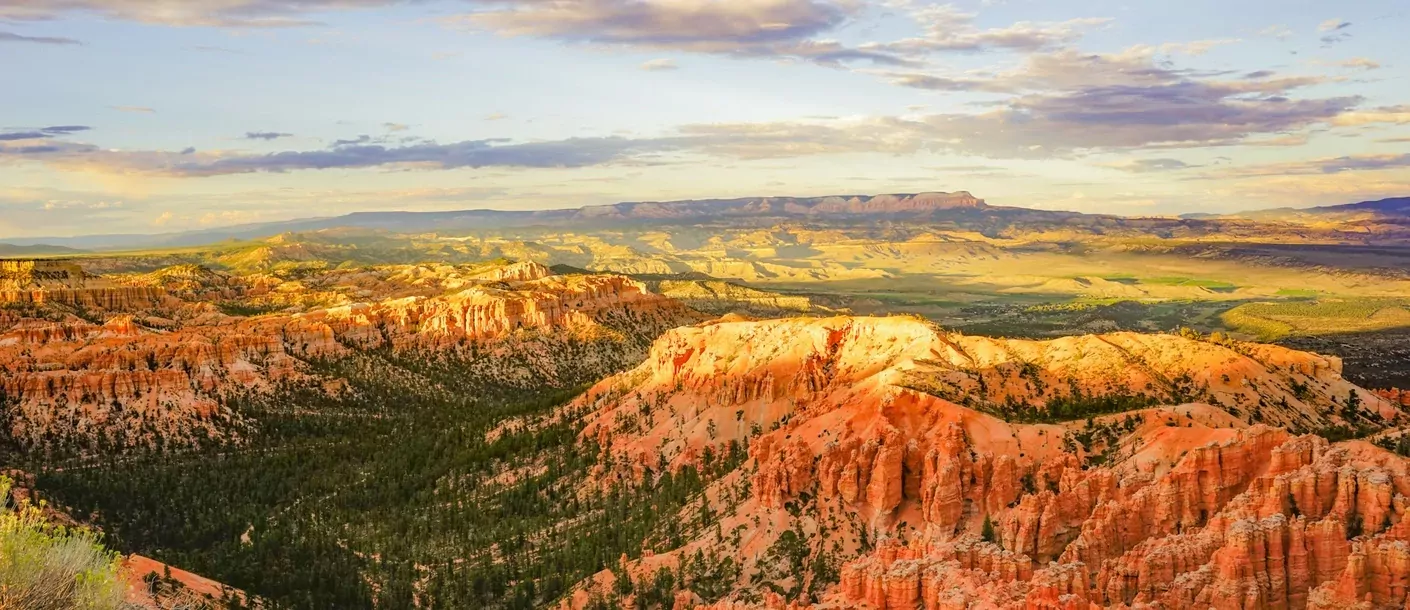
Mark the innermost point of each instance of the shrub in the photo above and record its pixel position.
(51, 567)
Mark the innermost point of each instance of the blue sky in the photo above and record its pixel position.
(156, 115)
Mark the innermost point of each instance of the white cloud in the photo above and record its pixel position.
(657, 65)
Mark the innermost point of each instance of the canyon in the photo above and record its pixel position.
(158, 369)
(764, 449)
(868, 439)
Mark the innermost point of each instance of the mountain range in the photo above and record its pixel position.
(836, 208)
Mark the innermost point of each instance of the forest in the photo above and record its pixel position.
(399, 492)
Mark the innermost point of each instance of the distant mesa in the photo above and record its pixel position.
(921, 203)
(835, 206)
(958, 206)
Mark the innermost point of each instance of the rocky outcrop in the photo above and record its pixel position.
(158, 586)
(517, 272)
(1310, 525)
(886, 428)
(40, 281)
(124, 383)
(1395, 395)
(486, 312)
(855, 388)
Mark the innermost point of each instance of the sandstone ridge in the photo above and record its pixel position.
(1145, 472)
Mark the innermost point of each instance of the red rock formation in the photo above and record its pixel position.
(1312, 526)
(858, 428)
(40, 281)
(122, 384)
(1395, 395)
(153, 584)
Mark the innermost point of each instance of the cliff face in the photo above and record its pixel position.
(129, 383)
(1261, 521)
(39, 281)
(835, 382)
(871, 440)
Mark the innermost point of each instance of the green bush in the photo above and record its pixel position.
(51, 567)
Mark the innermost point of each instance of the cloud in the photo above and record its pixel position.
(362, 139)
(683, 23)
(1067, 102)
(1064, 69)
(266, 135)
(1335, 30)
(496, 116)
(215, 49)
(1196, 47)
(61, 204)
(163, 218)
(343, 154)
(779, 29)
(931, 82)
(658, 65)
(1361, 63)
(1326, 165)
(1180, 114)
(42, 132)
(64, 129)
(1398, 115)
(1060, 104)
(1144, 166)
(1281, 32)
(1332, 25)
(1088, 120)
(1121, 109)
(137, 109)
(212, 13)
(947, 28)
(12, 37)
(394, 127)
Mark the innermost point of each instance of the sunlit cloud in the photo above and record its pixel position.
(948, 28)
(1360, 63)
(1386, 114)
(1332, 25)
(658, 65)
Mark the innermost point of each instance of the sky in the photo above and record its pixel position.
(148, 116)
